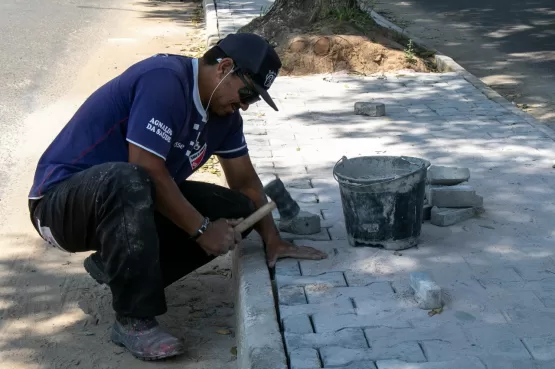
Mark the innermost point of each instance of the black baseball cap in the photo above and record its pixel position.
(254, 56)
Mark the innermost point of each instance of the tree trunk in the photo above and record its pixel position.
(295, 14)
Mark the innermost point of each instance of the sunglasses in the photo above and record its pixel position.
(247, 93)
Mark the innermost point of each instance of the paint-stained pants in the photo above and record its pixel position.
(110, 208)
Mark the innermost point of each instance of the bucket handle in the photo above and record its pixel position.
(369, 182)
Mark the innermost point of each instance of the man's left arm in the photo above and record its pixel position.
(241, 176)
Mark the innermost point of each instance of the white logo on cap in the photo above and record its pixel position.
(270, 78)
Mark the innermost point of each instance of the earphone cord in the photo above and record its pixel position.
(212, 94)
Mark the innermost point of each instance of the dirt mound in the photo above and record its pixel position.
(308, 54)
(340, 40)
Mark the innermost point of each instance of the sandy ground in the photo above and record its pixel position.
(53, 315)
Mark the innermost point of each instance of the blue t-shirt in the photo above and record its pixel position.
(155, 104)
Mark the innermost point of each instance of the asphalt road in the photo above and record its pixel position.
(43, 43)
(509, 44)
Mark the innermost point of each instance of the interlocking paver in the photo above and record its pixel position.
(462, 363)
(297, 324)
(379, 291)
(326, 322)
(291, 295)
(346, 338)
(304, 358)
(409, 351)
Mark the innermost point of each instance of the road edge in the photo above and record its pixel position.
(259, 339)
(211, 22)
(447, 64)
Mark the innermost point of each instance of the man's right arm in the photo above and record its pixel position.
(169, 199)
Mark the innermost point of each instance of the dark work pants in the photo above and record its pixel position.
(110, 208)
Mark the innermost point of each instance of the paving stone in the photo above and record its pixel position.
(497, 340)
(289, 267)
(457, 196)
(337, 307)
(444, 175)
(541, 348)
(369, 109)
(409, 351)
(297, 324)
(321, 293)
(304, 358)
(444, 217)
(291, 295)
(427, 292)
(462, 363)
(346, 338)
(361, 279)
(498, 362)
(324, 322)
(323, 235)
(340, 257)
(331, 279)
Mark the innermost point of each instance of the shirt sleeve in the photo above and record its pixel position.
(234, 144)
(157, 111)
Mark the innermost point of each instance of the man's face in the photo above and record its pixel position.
(233, 87)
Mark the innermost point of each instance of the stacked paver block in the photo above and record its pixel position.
(449, 197)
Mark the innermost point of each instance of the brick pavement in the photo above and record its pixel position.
(355, 309)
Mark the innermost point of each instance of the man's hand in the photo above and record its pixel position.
(220, 237)
(282, 249)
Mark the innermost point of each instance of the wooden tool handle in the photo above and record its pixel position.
(256, 216)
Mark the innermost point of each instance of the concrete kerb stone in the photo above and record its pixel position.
(211, 22)
(259, 339)
(447, 64)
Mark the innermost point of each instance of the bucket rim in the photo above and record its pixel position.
(340, 178)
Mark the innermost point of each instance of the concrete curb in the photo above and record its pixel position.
(259, 340)
(446, 64)
(211, 22)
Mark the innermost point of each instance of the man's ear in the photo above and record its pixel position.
(225, 66)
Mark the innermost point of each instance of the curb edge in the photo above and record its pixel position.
(259, 339)
(211, 22)
(447, 64)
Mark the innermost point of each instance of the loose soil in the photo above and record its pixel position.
(351, 43)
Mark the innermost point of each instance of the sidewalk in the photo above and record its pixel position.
(355, 309)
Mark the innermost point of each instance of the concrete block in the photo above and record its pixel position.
(337, 307)
(442, 175)
(331, 279)
(427, 293)
(407, 351)
(305, 358)
(291, 295)
(348, 338)
(288, 267)
(297, 324)
(462, 363)
(324, 322)
(369, 109)
(378, 291)
(304, 223)
(259, 339)
(457, 196)
(541, 348)
(444, 217)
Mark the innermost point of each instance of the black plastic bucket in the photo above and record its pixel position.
(383, 199)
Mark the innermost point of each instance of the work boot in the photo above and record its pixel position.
(144, 338)
(95, 267)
